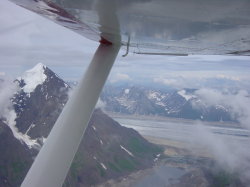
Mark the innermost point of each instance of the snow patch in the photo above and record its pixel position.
(33, 77)
(126, 103)
(126, 91)
(156, 97)
(104, 167)
(43, 139)
(220, 107)
(183, 94)
(66, 85)
(101, 142)
(31, 126)
(94, 128)
(126, 151)
(10, 121)
(155, 159)
(161, 104)
(153, 95)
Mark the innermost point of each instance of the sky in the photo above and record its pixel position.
(28, 39)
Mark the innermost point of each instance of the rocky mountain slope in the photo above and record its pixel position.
(175, 103)
(108, 150)
(15, 158)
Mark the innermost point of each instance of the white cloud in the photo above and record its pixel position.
(120, 77)
(7, 90)
(215, 80)
(180, 82)
(173, 82)
(238, 103)
(166, 81)
(231, 153)
(223, 76)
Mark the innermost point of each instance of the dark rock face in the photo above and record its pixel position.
(15, 158)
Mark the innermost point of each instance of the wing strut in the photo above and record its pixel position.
(54, 159)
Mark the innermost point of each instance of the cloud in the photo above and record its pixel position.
(170, 82)
(7, 90)
(180, 82)
(223, 76)
(238, 103)
(216, 80)
(232, 154)
(120, 77)
(2, 73)
(176, 82)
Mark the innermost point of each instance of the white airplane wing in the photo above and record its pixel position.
(215, 27)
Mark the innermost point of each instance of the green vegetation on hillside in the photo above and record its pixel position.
(137, 146)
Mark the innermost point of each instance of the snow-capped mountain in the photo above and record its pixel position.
(32, 78)
(36, 106)
(175, 103)
(132, 100)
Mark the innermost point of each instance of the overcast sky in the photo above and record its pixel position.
(27, 39)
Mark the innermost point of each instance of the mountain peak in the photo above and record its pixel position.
(38, 67)
(33, 77)
(36, 70)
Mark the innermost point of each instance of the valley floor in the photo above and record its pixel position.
(176, 167)
(181, 164)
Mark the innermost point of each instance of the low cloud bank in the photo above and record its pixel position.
(219, 81)
(237, 103)
(120, 77)
(231, 152)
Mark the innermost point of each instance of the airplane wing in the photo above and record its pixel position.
(166, 27)
(215, 27)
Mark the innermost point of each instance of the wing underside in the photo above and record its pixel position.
(216, 27)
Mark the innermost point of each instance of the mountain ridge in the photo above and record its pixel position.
(174, 103)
